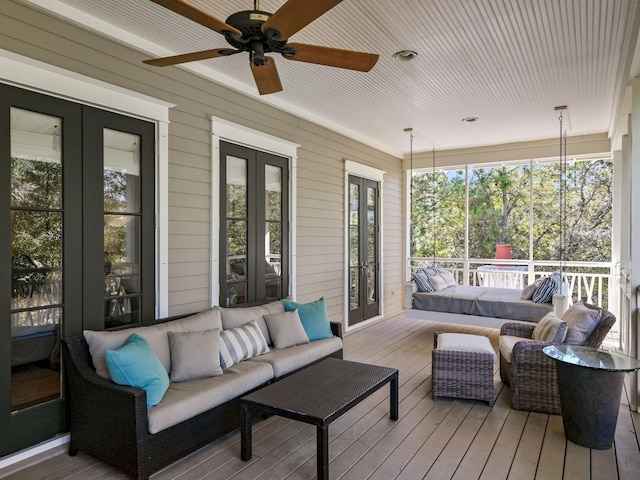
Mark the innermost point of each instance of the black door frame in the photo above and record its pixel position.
(33, 425)
(255, 288)
(365, 311)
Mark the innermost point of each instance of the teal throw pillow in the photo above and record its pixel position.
(314, 318)
(136, 364)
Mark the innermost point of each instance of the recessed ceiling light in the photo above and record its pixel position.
(470, 119)
(405, 55)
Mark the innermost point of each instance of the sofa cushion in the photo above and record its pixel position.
(236, 317)
(187, 399)
(240, 343)
(156, 335)
(507, 342)
(465, 342)
(314, 317)
(286, 329)
(550, 329)
(289, 359)
(135, 364)
(581, 322)
(194, 355)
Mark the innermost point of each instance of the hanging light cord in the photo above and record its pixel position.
(563, 195)
(410, 197)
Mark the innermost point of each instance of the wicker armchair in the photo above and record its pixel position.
(531, 374)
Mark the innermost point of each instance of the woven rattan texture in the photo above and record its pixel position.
(531, 374)
(461, 374)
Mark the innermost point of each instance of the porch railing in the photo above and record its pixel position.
(588, 281)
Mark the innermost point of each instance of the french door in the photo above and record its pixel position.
(254, 226)
(364, 255)
(77, 243)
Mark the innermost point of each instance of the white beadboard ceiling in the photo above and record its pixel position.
(507, 62)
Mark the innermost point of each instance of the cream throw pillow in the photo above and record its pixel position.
(286, 329)
(194, 355)
(550, 329)
(449, 279)
(437, 282)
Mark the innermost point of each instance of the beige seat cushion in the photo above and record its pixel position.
(464, 342)
(289, 359)
(507, 342)
(185, 400)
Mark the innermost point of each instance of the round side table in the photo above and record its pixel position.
(590, 384)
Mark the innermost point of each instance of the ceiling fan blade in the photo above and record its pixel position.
(333, 57)
(266, 77)
(199, 16)
(297, 14)
(190, 57)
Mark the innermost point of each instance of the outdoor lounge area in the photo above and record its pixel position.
(446, 438)
(162, 159)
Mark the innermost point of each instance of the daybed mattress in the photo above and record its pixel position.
(482, 301)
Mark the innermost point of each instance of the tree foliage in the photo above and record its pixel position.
(502, 200)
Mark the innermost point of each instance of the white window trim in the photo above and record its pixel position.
(370, 173)
(30, 74)
(224, 130)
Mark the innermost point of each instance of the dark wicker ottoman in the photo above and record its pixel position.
(462, 366)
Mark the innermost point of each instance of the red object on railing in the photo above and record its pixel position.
(503, 251)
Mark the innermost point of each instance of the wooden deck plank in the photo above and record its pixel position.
(443, 439)
(577, 462)
(501, 458)
(626, 441)
(551, 460)
(478, 453)
(449, 461)
(527, 455)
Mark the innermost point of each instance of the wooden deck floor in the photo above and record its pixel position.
(445, 439)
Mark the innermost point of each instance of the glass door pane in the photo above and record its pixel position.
(354, 246)
(121, 180)
(372, 245)
(36, 257)
(237, 231)
(274, 231)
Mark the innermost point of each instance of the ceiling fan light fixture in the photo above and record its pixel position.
(470, 119)
(405, 55)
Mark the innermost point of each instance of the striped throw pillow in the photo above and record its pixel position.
(547, 288)
(550, 329)
(240, 343)
(429, 272)
(422, 282)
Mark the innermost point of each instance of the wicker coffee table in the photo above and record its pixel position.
(318, 395)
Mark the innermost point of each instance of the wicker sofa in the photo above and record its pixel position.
(111, 422)
(531, 375)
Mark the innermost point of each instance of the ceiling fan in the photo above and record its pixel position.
(259, 32)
